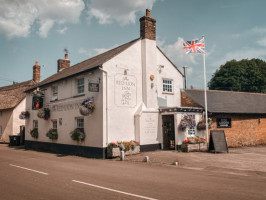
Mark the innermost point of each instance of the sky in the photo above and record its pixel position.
(40, 30)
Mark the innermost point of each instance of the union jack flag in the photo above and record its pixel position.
(194, 46)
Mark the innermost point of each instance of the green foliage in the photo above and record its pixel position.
(244, 75)
(52, 134)
(34, 133)
(78, 134)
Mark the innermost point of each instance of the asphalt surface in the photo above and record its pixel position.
(37, 175)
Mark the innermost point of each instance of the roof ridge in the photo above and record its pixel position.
(13, 86)
(227, 91)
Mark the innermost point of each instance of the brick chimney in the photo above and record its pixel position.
(147, 26)
(36, 72)
(63, 63)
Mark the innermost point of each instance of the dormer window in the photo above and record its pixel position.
(80, 86)
(54, 93)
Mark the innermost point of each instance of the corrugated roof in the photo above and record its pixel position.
(12, 95)
(230, 102)
(89, 64)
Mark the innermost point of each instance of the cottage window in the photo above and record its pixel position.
(54, 124)
(35, 123)
(80, 86)
(54, 93)
(80, 123)
(167, 85)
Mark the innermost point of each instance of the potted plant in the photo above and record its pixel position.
(114, 149)
(24, 115)
(44, 113)
(202, 125)
(194, 144)
(187, 121)
(34, 133)
(52, 134)
(87, 107)
(78, 134)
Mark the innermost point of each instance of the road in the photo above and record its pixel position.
(34, 175)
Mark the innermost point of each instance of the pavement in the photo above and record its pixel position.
(244, 160)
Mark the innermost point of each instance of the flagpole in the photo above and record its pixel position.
(205, 100)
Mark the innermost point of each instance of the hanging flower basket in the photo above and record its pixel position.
(34, 133)
(87, 107)
(202, 125)
(187, 121)
(44, 113)
(24, 115)
(78, 134)
(52, 134)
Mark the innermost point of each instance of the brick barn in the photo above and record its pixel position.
(241, 115)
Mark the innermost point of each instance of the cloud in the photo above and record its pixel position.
(94, 52)
(18, 16)
(120, 11)
(62, 30)
(176, 53)
(262, 42)
(246, 53)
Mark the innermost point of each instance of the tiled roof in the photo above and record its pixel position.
(86, 65)
(229, 102)
(12, 95)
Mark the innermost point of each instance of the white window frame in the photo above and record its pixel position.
(80, 122)
(54, 92)
(54, 124)
(35, 124)
(80, 87)
(168, 86)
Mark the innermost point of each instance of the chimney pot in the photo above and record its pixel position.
(147, 26)
(148, 12)
(63, 63)
(36, 72)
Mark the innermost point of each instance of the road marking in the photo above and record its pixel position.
(105, 188)
(29, 169)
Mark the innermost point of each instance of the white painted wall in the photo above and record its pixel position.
(6, 121)
(16, 121)
(66, 110)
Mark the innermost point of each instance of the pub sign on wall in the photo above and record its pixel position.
(224, 123)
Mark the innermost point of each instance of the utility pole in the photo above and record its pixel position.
(185, 76)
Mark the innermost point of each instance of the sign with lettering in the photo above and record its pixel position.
(66, 106)
(125, 90)
(94, 87)
(218, 141)
(223, 122)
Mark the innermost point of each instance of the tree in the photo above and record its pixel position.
(244, 75)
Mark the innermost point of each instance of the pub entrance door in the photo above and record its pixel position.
(168, 132)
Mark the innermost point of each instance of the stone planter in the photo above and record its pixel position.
(115, 152)
(194, 147)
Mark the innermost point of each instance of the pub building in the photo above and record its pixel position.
(129, 93)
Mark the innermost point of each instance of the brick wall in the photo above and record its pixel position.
(246, 130)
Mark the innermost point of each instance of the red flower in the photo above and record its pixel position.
(185, 141)
(137, 142)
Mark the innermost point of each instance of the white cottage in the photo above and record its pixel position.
(127, 85)
(13, 107)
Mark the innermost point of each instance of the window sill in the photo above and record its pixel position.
(170, 93)
(78, 95)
